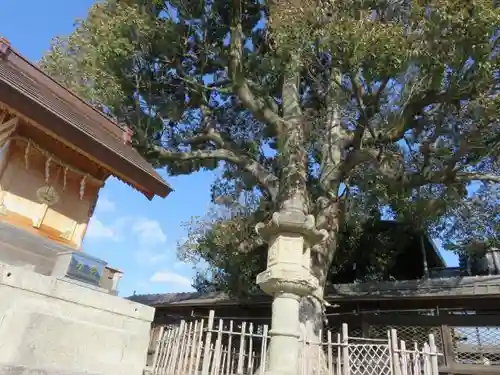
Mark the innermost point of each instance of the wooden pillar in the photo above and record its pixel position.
(424, 256)
(449, 356)
(365, 328)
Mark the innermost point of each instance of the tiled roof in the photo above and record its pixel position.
(179, 298)
(453, 287)
(25, 88)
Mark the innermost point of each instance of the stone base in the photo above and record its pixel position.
(51, 326)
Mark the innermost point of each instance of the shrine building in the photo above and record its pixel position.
(56, 152)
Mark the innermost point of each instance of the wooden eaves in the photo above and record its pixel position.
(57, 111)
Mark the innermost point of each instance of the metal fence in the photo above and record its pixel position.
(463, 345)
(476, 345)
(206, 347)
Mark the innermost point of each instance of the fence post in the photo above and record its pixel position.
(183, 353)
(199, 348)
(157, 349)
(339, 355)
(208, 339)
(218, 348)
(404, 358)
(172, 366)
(263, 350)
(166, 350)
(433, 354)
(192, 353)
(427, 362)
(250, 349)
(229, 369)
(241, 354)
(330, 354)
(416, 359)
(393, 344)
(345, 349)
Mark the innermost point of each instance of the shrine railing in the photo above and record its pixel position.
(207, 347)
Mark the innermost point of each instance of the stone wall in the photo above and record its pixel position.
(52, 326)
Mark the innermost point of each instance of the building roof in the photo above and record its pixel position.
(67, 117)
(428, 289)
(189, 298)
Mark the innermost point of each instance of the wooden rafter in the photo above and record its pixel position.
(8, 124)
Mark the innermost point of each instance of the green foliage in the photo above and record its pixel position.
(374, 105)
(228, 255)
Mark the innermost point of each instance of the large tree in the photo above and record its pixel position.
(384, 105)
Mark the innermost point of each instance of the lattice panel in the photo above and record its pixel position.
(353, 332)
(476, 345)
(369, 359)
(411, 334)
(241, 348)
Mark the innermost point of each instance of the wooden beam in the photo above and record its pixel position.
(470, 370)
(453, 288)
(434, 321)
(6, 123)
(7, 128)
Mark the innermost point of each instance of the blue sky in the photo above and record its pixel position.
(128, 231)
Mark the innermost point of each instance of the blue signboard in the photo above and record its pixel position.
(85, 268)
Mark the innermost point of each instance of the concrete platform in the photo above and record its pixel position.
(55, 327)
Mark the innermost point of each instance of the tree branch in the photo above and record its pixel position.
(416, 107)
(215, 86)
(265, 179)
(444, 177)
(219, 154)
(407, 120)
(224, 151)
(258, 107)
(209, 136)
(472, 176)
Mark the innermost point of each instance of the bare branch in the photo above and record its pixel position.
(472, 176)
(209, 136)
(224, 151)
(417, 106)
(258, 107)
(219, 154)
(444, 177)
(266, 180)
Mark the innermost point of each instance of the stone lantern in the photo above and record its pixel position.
(287, 278)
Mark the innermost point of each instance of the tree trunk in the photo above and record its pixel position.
(313, 359)
(293, 204)
(293, 197)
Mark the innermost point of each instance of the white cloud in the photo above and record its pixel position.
(147, 257)
(105, 205)
(170, 277)
(148, 231)
(98, 230)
